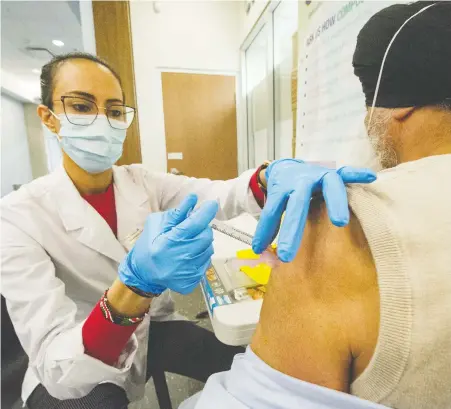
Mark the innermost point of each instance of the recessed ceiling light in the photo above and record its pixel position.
(36, 71)
(58, 43)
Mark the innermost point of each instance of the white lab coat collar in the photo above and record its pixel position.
(132, 202)
(87, 226)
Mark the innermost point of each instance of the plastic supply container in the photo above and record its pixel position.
(234, 302)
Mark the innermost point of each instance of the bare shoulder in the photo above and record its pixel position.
(320, 318)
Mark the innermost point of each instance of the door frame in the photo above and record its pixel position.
(266, 17)
(242, 162)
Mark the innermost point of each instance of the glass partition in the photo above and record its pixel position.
(285, 71)
(258, 98)
(270, 78)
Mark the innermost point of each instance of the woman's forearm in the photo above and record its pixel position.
(104, 339)
(125, 302)
(262, 176)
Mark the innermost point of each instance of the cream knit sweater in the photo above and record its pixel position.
(406, 217)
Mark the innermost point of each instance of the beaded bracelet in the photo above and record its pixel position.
(115, 318)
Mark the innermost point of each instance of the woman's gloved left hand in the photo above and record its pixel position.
(290, 185)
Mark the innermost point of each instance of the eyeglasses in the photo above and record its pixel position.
(83, 112)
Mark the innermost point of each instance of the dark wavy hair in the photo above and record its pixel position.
(50, 69)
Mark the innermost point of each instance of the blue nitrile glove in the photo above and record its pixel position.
(290, 184)
(173, 251)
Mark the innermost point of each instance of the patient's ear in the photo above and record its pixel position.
(401, 114)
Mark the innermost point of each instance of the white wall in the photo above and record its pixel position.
(36, 142)
(187, 35)
(87, 26)
(15, 156)
(247, 21)
(24, 87)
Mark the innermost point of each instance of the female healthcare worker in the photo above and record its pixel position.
(66, 241)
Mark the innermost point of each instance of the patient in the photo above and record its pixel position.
(366, 309)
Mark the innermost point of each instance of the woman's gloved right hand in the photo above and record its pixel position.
(174, 250)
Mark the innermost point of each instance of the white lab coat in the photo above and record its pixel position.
(59, 256)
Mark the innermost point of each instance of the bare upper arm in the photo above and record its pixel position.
(320, 317)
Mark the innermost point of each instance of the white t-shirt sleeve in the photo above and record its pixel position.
(251, 383)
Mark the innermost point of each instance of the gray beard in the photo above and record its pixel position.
(381, 140)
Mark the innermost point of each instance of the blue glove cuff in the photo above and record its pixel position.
(128, 277)
(276, 162)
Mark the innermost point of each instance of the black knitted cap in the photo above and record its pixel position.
(417, 70)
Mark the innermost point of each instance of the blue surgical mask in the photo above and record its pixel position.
(96, 147)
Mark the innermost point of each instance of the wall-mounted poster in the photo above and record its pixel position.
(331, 105)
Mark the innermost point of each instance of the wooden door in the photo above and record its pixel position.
(114, 44)
(200, 124)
